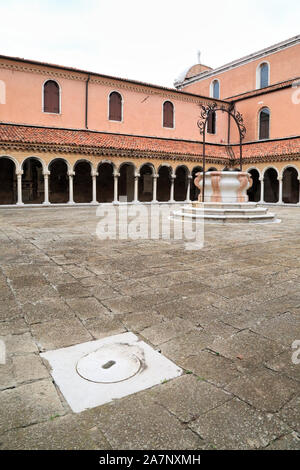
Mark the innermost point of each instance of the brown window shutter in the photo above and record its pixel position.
(168, 114)
(51, 97)
(264, 125)
(211, 123)
(115, 106)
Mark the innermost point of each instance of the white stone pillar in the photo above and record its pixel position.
(172, 188)
(280, 190)
(94, 183)
(71, 174)
(188, 190)
(19, 187)
(154, 198)
(46, 187)
(136, 187)
(116, 181)
(262, 186)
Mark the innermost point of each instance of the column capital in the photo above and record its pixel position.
(279, 178)
(137, 175)
(190, 177)
(46, 173)
(19, 172)
(71, 173)
(155, 175)
(116, 174)
(261, 178)
(94, 173)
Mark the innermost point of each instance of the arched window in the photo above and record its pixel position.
(168, 114)
(264, 124)
(115, 106)
(51, 97)
(263, 75)
(215, 89)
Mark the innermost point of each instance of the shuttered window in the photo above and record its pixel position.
(264, 124)
(168, 114)
(115, 106)
(51, 97)
(211, 123)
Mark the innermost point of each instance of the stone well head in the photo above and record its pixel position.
(224, 186)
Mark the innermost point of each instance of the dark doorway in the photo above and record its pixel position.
(290, 186)
(83, 183)
(164, 184)
(180, 184)
(146, 183)
(254, 191)
(271, 186)
(105, 183)
(8, 186)
(32, 182)
(59, 182)
(126, 183)
(194, 190)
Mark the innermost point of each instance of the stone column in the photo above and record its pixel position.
(172, 188)
(94, 183)
(136, 187)
(19, 187)
(261, 179)
(116, 180)
(188, 190)
(154, 198)
(46, 187)
(71, 174)
(280, 190)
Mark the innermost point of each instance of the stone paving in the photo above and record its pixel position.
(227, 314)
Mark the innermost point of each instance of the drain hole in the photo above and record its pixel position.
(108, 365)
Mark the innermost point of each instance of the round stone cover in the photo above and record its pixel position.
(110, 364)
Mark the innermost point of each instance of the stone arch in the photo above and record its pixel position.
(164, 183)
(83, 181)
(181, 183)
(127, 172)
(58, 181)
(145, 188)
(33, 180)
(290, 185)
(271, 185)
(8, 181)
(105, 181)
(255, 190)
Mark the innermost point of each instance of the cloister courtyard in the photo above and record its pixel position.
(227, 314)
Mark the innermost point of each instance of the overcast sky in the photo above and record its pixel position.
(151, 41)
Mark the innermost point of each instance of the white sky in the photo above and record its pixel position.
(151, 41)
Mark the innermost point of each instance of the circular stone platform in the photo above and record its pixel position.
(111, 363)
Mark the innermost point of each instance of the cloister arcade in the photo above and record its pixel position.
(32, 181)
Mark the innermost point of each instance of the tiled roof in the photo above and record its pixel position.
(78, 140)
(101, 143)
